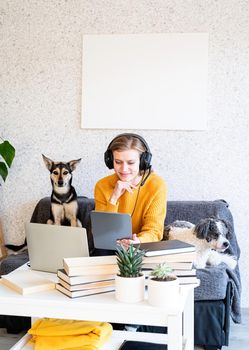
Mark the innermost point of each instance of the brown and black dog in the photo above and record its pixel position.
(64, 204)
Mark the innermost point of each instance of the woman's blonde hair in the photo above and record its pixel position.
(126, 142)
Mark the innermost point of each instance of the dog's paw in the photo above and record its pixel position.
(231, 262)
(79, 224)
(50, 222)
(200, 265)
(219, 258)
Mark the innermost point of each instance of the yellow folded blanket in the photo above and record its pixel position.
(56, 334)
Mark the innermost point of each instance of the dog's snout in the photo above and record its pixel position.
(60, 182)
(226, 244)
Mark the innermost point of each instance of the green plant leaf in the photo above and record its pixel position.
(3, 171)
(7, 151)
(129, 261)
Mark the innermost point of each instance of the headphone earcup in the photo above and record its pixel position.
(108, 158)
(145, 160)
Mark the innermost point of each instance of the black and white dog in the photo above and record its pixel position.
(64, 204)
(210, 237)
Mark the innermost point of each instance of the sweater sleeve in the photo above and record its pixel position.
(154, 216)
(102, 203)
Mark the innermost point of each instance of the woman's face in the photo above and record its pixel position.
(126, 165)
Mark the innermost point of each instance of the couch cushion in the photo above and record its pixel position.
(213, 283)
(12, 262)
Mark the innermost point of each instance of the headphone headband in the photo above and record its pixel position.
(145, 158)
(131, 135)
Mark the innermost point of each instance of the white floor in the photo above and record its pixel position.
(8, 340)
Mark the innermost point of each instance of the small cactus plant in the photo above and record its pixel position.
(163, 272)
(129, 261)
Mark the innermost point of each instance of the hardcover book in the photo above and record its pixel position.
(73, 280)
(84, 286)
(26, 282)
(83, 293)
(86, 270)
(178, 272)
(184, 273)
(90, 260)
(188, 280)
(99, 265)
(166, 247)
(170, 258)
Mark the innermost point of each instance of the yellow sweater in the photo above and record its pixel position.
(58, 334)
(149, 202)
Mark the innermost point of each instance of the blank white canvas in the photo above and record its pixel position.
(145, 81)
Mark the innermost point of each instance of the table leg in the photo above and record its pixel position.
(188, 321)
(175, 332)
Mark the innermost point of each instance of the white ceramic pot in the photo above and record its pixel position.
(163, 293)
(129, 289)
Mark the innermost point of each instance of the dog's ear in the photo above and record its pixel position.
(229, 227)
(73, 164)
(48, 162)
(166, 230)
(202, 229)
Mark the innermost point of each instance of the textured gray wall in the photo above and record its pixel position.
(40, 102)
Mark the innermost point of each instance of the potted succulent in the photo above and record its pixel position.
(7, 153)
(163, 286)
(129, 282)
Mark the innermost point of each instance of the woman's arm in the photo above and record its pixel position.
(153, 222)
(102, 195)
(154, 214)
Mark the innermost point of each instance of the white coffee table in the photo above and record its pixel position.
(179, 317)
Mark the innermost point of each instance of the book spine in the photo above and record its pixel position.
(173, 265)
(92, 270)
(90, 261)
(84, 286)
(185, 257)
(189, 280)
(83, 293)
(84, 279)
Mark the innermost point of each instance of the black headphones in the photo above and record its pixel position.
(145, 157)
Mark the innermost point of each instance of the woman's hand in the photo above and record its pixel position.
(126, 242)
(119, 189)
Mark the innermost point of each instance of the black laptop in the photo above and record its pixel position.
(108, 227)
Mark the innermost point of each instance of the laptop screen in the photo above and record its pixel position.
(108, 227)
(49, 244)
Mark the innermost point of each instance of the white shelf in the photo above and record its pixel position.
(22, 344)
(113, 344)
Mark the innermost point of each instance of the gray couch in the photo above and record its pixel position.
(216, 299)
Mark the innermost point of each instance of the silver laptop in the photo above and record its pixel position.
(109, 227)
(49, 244)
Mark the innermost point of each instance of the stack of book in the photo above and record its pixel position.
(176, 254)
(87, 276)
(94, 275)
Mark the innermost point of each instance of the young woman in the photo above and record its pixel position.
(133, 188)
